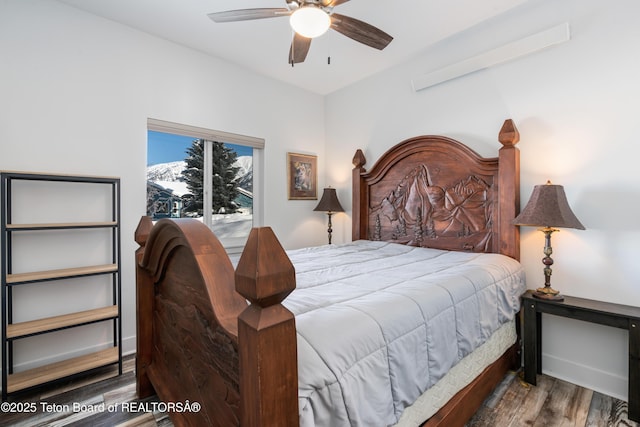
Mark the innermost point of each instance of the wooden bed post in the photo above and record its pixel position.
(268, 371)
(144, 312)
(358, 205)
(509, 189)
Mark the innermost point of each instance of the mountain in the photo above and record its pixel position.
(245, 163)
(245, 173)
(169, 172)
(169, 175)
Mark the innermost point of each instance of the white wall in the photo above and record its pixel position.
(75, 94)
(576, 106)
(76, 90)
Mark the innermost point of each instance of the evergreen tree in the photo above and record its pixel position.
(225, 188)
(193, 176)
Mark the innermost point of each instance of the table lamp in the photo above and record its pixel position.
(329, 203)
(548, 208)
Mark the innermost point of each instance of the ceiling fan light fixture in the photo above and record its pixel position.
(310, 21)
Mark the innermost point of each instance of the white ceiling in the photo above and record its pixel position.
(263, 45)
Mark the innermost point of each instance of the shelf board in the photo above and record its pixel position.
(62, 225)
(39, 326)
(45, 176)
(65, 368)
(60, 274)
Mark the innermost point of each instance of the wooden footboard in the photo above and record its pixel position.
(192, 322)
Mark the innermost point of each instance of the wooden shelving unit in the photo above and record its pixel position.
(12, 331)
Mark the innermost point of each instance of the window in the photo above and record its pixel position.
(204, 174)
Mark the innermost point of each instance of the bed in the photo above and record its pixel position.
(281, 339)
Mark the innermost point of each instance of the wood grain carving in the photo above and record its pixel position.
(191, 350)
(419, 212)
(435, 192)
(199, 340)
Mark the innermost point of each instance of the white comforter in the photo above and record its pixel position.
(379, 323)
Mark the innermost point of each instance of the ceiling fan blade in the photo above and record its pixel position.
(360, 31)
(248, 14)
(299, 49)
(333, 3)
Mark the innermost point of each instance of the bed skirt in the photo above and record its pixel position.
(459, 377)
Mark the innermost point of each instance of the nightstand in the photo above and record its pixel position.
(604, 313)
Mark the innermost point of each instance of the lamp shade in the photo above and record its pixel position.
(548, 207)
(329, 201)
(310, 21)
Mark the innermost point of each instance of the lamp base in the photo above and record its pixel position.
(548, 293)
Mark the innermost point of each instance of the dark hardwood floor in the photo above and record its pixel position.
(105, 399)
(101, 398)
(552, 403)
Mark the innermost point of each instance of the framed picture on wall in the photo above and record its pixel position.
(302, 176)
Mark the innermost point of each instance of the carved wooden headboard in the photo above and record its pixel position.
(436, 192)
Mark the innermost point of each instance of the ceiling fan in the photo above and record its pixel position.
(309, 19)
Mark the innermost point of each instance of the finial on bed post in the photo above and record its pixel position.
(359, 223)
(144, 312)
(509, 189)
(509, 135)
(267, 334)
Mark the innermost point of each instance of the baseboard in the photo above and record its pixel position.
(586, 376)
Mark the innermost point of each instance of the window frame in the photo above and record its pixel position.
(258, 145)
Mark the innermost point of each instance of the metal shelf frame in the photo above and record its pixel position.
(8, 279)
